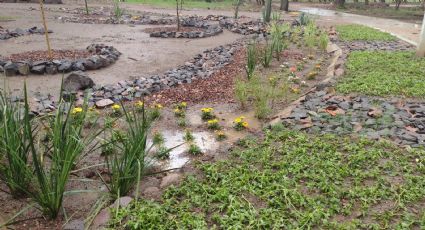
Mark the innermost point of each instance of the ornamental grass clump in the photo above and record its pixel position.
(240, 124)
(267, 55)
(207, 114)
(251, 62)
(14, 147)
(131, 162)
(53, 163)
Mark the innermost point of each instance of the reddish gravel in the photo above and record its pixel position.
(217, 88)
(42, 55)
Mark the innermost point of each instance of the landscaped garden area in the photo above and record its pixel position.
(145, 118)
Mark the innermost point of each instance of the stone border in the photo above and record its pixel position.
(208, 30)
(7, 34)
(103, 56)
(244, 28)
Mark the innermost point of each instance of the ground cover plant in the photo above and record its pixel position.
(384, 74)
(294, 180)
(362, 33)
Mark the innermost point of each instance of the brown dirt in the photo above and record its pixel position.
(41, 55)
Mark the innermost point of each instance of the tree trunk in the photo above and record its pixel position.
(340, 3)
(366, 2)
(397, 4)
(421, 46)
(178, 15)
(268, 10)
(284, 5)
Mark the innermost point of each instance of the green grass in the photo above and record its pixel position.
(404, 13)
(384, 74)
(292, 180)
(226, 4)
(355, 32)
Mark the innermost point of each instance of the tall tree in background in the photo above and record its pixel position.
(284, 5)
(268, 11)
(339, 3)
(421, 46)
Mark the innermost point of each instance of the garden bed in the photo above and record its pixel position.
(95, 56)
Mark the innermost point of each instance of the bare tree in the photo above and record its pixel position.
(178, 14)
(421, 46)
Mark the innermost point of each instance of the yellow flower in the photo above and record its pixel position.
(183, 104)
(77, 110)
(177, 110)
(139, 104)
(207, 110)
(245, 124)
(116, 107)
(213, 121)
(238, 120)
(158, 106)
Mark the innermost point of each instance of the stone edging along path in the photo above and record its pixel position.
(7, 34)
(321, 110)
(102, 56)
(207, 30)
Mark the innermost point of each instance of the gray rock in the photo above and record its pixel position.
(38, 69)
(103, 103)
(171, 179)
(10, 69)
(122, 202)
(77, 81)
(74, 225)
(51, 69)
(65, 66)
(23, 68)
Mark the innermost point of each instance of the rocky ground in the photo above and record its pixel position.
(325, 111)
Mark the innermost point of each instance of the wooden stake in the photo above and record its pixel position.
(45, 30)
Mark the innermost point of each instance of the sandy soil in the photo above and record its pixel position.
(142, 55)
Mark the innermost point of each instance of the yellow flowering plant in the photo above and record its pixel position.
(207, 113)
(240, 124)
(213, 124)
(181, 105)
(155, 112)
(220, 135)
(77, 110)
(116, 110)
(139, 105)
(179, 112)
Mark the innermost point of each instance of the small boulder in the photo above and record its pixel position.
(38, 69)
(77, 81)
(122, 202)
(10, 69)
(65, 67)
(51, 69)
(103, 103)
(171, 179)
(102, 219)
(74, 225)
(23, 68)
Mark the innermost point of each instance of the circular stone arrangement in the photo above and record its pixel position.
(101, 56)
(202, 29)
(244, 27)
(6, 34)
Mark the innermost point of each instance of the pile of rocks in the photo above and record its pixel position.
(202, 66)
(6, 34)
(145, 19)
(102, 56)
(207, 30)
(244, 27)
(375, 118)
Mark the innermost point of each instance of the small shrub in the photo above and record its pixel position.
(323, 41)
(188, 136)
(262, 108)
(194, 149)
(220, 135)
(158, 139)
(304, 19)
(118, 11)
(181, 122)
(179, 113)
(162, 152)
(155, 112)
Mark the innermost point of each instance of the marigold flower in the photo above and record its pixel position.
(116, 107)
(77, 110)
(139, 104)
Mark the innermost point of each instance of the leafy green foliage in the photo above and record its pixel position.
(355, 32)
(384, 74)
(292, 180)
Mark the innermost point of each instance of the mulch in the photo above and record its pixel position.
(42, 55)
(217, 88)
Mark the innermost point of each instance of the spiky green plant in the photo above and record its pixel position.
(118, 11)
(132, 158)
(251, 62)
(277, 32)
(241, 92)
(323, 41)
(53, 164)
(14, 147)
(267, 55)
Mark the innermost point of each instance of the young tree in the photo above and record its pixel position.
(178, 14)
(46, 33)
(421, 46)
(268, 11)
(284, 5)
